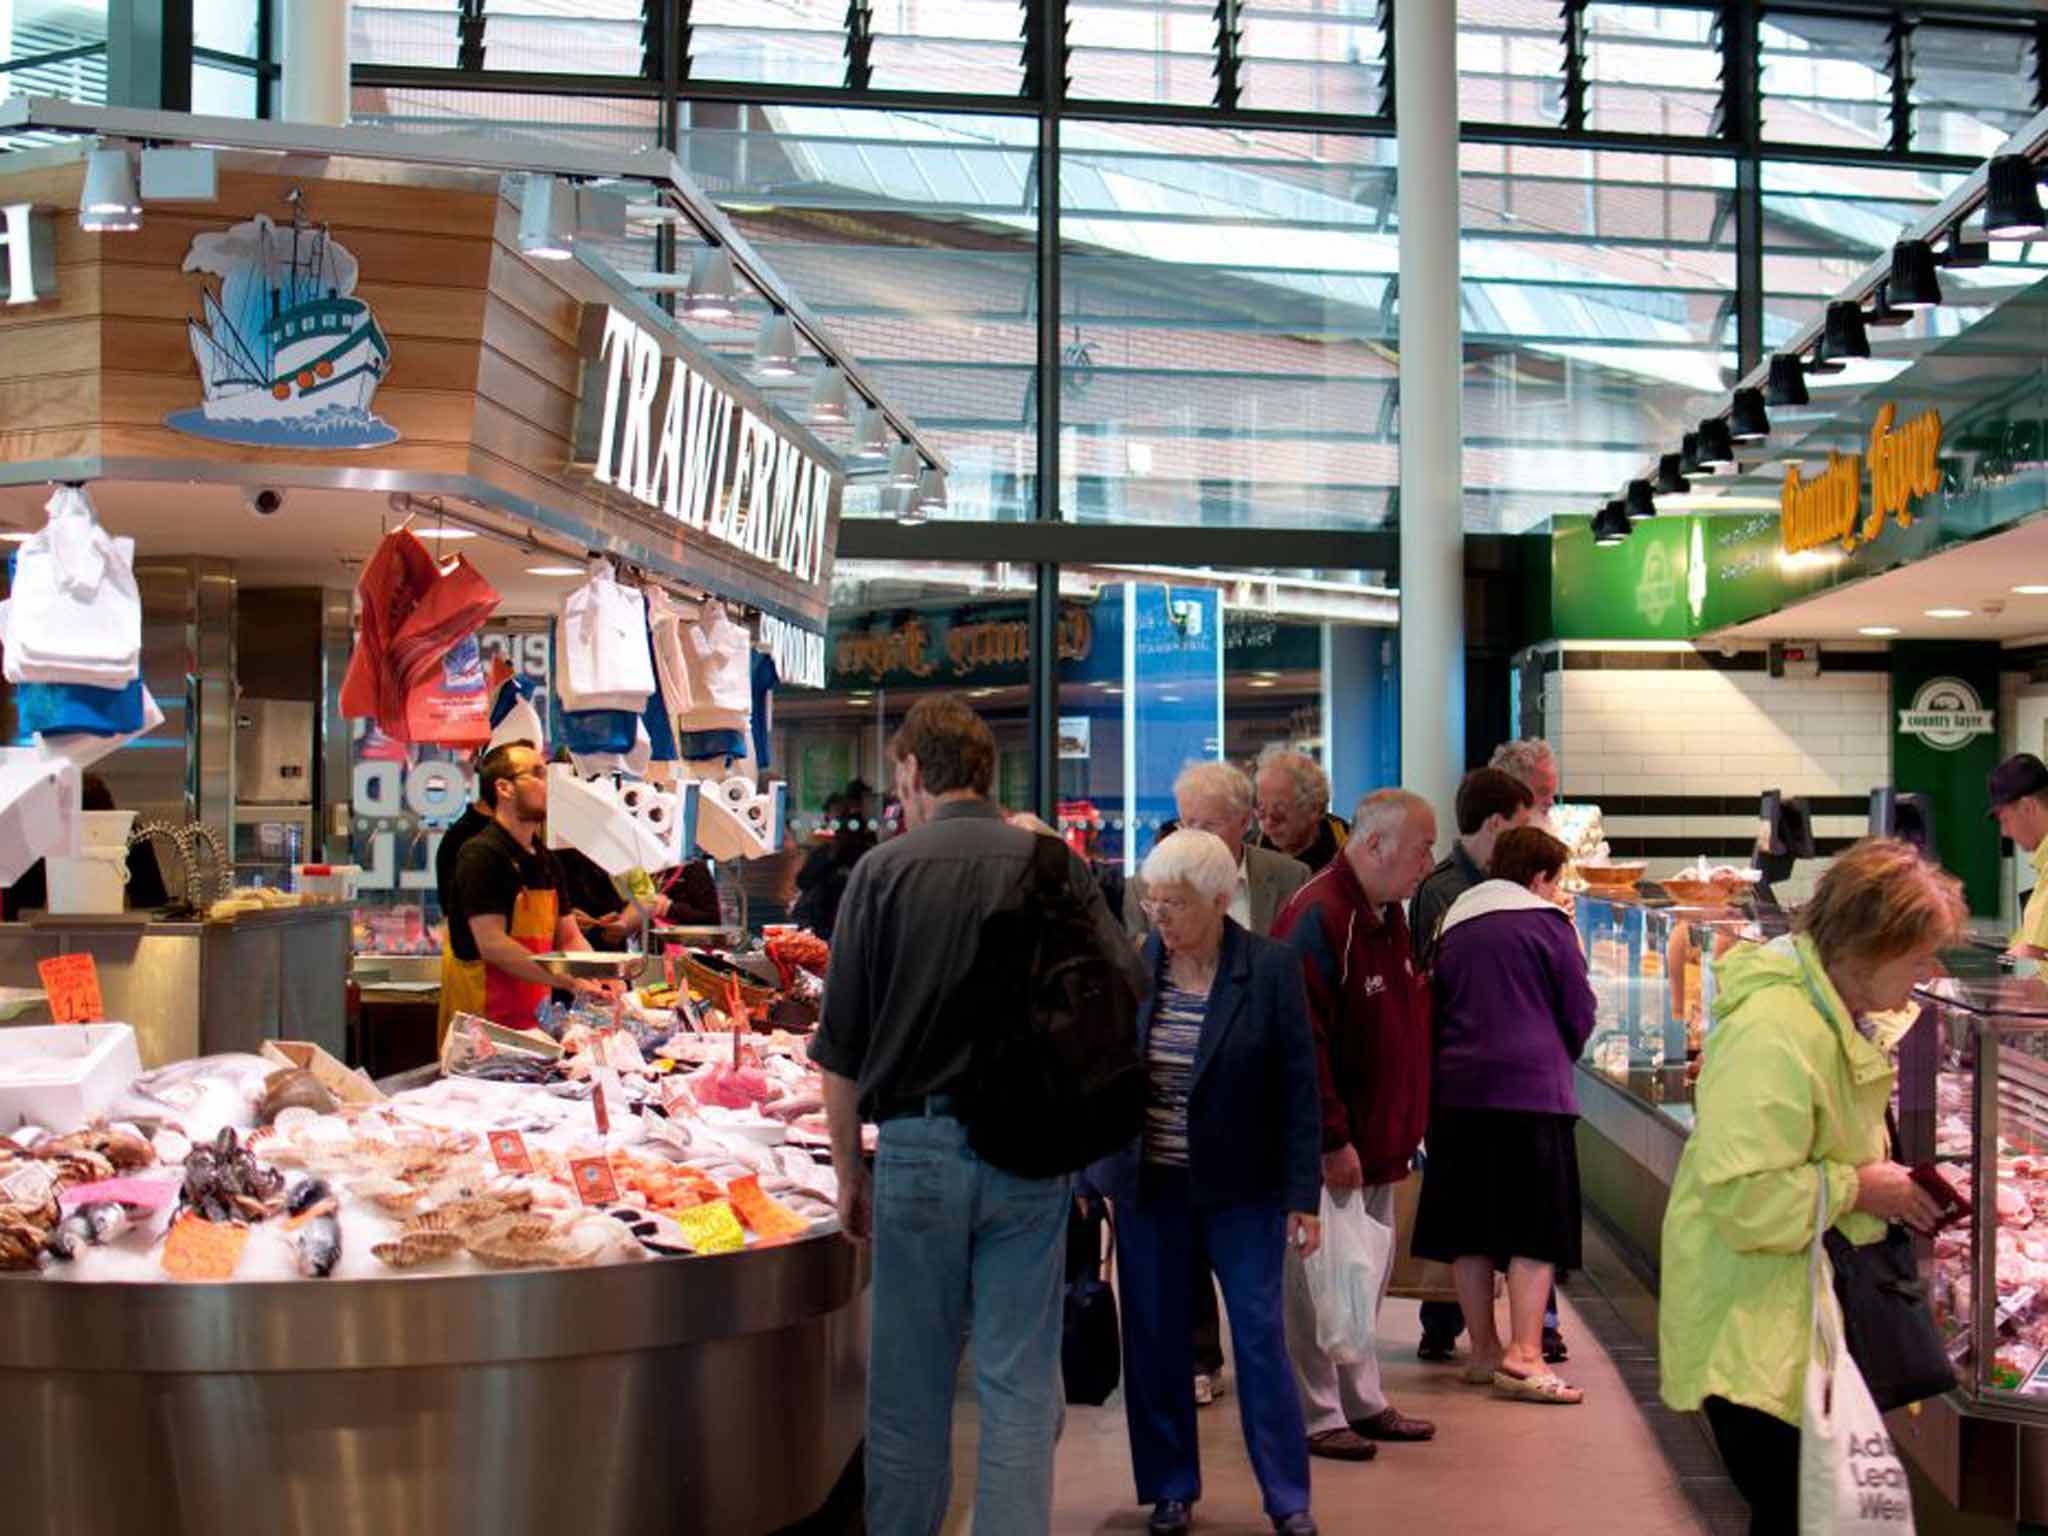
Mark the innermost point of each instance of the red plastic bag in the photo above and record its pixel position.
(452, 706)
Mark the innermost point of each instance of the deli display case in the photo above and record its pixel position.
(1973, 1100)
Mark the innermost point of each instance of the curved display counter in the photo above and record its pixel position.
(720, 1393)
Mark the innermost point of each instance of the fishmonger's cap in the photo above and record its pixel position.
(2018, 776)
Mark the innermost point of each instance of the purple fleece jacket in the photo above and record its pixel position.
(1513, 1011)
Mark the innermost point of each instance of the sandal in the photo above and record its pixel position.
(1543, 1387)
(1478, 1375)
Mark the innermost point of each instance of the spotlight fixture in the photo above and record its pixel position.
(1844, 335)
(1717, 447)
(909, 506)
(930, 495)
(1610, 524)
(871, 438)
(1788, 382)
(1882, 311)
(1689, 454)
(547, 219)
(906, 465)
(1671, 479)
(713, 291)
(2012, 199)
(775, 354)
(109, 204)
(828, 398)
(1747, 420)
(1914, 284)
(1638, 503)
(1959, 253)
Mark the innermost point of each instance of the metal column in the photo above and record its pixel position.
(1432, 356)
(1049, 56)
(315, 46)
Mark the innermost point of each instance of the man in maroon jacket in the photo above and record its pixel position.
(1370, 1008)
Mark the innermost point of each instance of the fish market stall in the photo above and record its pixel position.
(595, 1280)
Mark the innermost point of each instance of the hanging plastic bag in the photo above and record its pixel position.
(1851, 1482)
(452, 707)
(1344, 1277)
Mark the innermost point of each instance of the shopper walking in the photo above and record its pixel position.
(1791, 1101)
(1514, 1008)
(1228, 1162)
(1370, 1009)
(1216, 797)
(1294, 809)
(959, 1244)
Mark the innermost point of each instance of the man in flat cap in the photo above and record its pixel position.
(2018, 791)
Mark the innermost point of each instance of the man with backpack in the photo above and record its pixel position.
(959, 945)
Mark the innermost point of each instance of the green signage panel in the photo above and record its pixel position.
(1944, 741)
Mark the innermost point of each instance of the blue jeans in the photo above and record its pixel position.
(958, 1245)
(1247, 1245)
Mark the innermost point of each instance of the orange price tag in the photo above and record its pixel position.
(595, 1182)
(72, 984)
(508, 1151)
(198, 1249)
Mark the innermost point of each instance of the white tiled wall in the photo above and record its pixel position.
(1704, 732)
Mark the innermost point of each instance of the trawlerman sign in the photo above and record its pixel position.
(664, 431)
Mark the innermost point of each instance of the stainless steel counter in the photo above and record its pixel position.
(716, 1394)
(195, 988)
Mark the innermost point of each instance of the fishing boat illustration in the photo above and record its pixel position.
(287, 356)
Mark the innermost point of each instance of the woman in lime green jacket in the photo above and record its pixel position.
(1793, 1090)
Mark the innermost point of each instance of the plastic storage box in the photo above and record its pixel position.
(61, 1075)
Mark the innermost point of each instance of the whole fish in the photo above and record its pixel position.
(319, 1247)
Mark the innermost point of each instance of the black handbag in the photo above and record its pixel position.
(1885, 1318)
(1091, 1349)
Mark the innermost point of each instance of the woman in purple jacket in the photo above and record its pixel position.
(1513, 1010)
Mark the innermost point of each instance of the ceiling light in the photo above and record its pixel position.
(1671, 479)
(16, 536)
(1914, 283)
(906, 465)
(1638, 504)
(547, 219)
(1878, 631)
(1788, 382)
(909, 509)
(1611, 525)
(828, 398)
(1960, 253)
(554, 570)
(1882, 312)
(775, 354)
(1844, 336)
(1948, 613)
(2012, 199)
(713, 291)
(445, 532)
(1112, 690)
(1172, 698)
(1717, 446)
(1747, 420)
(871, 438)
(930, 494)
(108, 204)
(1689, 453)
(1262, 682)
(2031, 589)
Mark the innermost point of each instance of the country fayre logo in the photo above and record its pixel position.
(1946, 713)
(1657, 589)
(287, 356)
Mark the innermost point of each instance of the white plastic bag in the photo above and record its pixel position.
(1851, 1482)
(1344, 1277)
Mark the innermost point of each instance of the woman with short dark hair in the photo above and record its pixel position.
(1514, 1009)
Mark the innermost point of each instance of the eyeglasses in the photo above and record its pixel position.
(1156, 907)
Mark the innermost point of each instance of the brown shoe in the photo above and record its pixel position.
(1341, 1445)
(1391, 1424)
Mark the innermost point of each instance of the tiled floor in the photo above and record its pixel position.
(1495, 1466)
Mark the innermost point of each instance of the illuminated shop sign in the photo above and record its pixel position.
(798, 653)
(28, 248)
(667, 434)
(1828, 509)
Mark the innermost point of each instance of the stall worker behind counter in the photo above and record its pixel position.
(509, 892)
(474, 818)
(2018, 791)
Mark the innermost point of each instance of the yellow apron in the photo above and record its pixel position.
(462, 990)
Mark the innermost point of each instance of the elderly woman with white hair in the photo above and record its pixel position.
(1230, 1157)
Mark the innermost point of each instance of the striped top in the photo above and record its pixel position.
(1170, 1073)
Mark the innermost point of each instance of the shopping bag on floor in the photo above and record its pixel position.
(1851, 1482)
(1343, 1277)
(1091, 1352)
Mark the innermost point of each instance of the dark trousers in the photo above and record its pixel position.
(1208, 1331)
(1762, 1457)
(1248, 1245)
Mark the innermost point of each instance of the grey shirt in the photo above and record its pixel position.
(1452, 878)
(905, 939)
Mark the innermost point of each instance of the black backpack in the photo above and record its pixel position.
(1055, 1081)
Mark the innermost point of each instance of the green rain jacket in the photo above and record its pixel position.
(1787, 1084)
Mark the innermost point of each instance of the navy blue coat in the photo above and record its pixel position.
(1254, 1115)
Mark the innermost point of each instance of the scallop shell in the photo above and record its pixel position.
(418, 1248)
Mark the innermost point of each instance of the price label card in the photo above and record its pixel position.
(595, 1183)
(197, 1249)
(508, 1151)
(480, 1044)
(72, 983)
(711, 1227)
(676, 1098)
(622, 1052)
